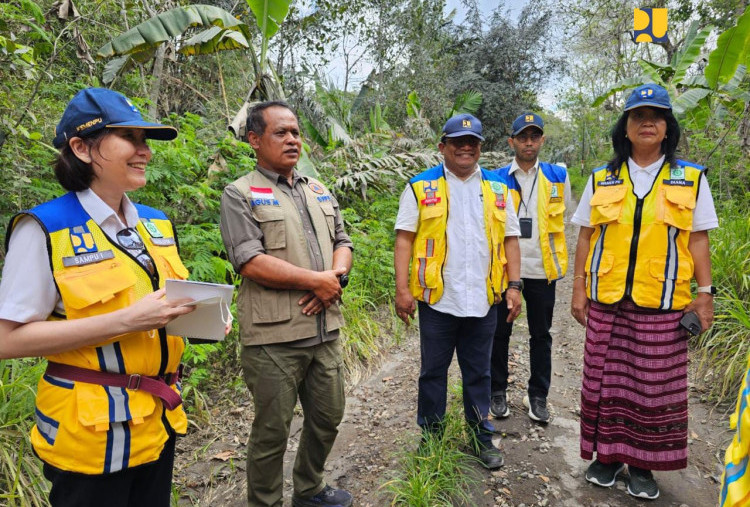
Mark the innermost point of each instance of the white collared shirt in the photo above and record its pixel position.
(531, 253)
(468, 257)
(27, 289)
(704, 214)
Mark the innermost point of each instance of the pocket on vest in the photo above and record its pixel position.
(96, 289)
(97, 406)
(266, 306)
(556, 214)
(607, 204)
(662, 269)
(172, 264)
(676, 207)
(271, 222)
(330, 214)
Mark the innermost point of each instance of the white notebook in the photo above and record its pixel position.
(211, 314)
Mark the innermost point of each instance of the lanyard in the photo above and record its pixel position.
(531, 192)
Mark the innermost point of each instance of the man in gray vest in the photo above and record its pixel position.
(284, 234)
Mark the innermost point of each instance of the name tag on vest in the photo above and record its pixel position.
(89, 258)
(609, 183)
(163, 241)
(678, 183)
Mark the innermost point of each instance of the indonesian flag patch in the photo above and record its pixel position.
(260, 196)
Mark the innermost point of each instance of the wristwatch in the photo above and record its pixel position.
(343, 280)
(516, 284)
(707, 289)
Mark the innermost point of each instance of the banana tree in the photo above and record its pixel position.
(719, 83)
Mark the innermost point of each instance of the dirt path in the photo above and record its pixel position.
(542, 463)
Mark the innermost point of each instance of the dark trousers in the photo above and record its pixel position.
(440, 334)
(149, 484)
(540, 302)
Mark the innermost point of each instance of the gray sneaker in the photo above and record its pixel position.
(499, 405)
(642, 484)
(603, 474)
(537, 409)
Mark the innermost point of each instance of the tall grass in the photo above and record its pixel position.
(21, 480)
(438, 473)
(722, 351)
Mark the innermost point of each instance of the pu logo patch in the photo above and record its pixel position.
(82, 240)
(650, 25)
(529, 118)
(467, 124)
(430, 186)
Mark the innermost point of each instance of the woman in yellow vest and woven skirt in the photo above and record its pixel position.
(82, 287)
(644, 220)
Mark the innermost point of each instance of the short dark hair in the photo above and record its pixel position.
(73, 173)
(255, 121)
(623, 147)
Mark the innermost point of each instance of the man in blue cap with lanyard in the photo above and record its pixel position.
(457, 225)
(541, 193)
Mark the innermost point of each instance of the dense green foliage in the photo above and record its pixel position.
(366, 135)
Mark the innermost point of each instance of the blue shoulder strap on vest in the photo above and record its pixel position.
(553, 173)
(149, 212)
(685, 163)
(432, 173)
(491, 175)
(597, 169)
(61, 213)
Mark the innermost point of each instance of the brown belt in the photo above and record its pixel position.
(158, 386)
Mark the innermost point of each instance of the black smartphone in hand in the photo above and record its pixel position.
(692, 323)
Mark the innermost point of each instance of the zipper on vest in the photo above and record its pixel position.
(637, 216)
(155, 285)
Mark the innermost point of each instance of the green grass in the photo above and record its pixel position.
(722, 351)
(438, 473)
(21, 480)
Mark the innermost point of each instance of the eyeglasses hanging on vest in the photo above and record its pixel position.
(129, 239)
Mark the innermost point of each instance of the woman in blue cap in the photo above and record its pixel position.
(644, 220)
(82, 286)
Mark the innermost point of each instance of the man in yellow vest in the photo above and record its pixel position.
(541, 193)
(457, 225)
(284, 234)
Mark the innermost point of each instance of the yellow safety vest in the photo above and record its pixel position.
(430, 243)
(89, 428)
(735, 480)
(550, 215)
(639, 248)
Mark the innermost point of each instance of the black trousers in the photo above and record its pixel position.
(146, 485)
(470, 338)
(540, 302)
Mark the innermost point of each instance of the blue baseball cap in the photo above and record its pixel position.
(527, 120)
(93, 109)
(649, 94)
(463, 125)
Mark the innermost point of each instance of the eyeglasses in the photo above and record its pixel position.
(535, 137)
(129, 238)
(462, 141)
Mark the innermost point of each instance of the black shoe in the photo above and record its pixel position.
(642, 484)
(499, 405)
(490, 457)
(327, 497)
(603, 474)
(537, 408)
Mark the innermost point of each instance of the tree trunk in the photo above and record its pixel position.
(153, 109)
